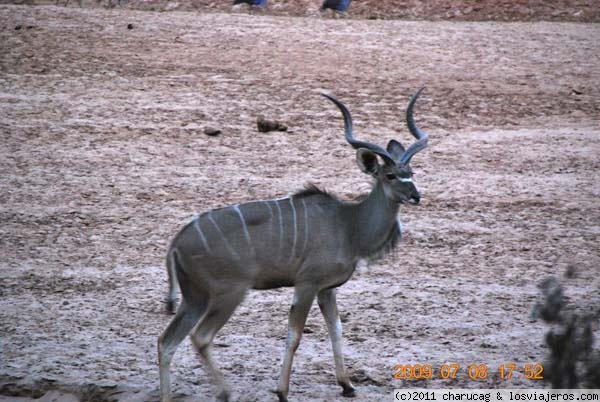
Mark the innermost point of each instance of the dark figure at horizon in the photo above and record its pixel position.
(336, 5)
(259, 3)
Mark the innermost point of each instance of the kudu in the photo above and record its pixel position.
(309, 240)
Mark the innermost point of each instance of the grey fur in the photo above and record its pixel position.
(320, 239)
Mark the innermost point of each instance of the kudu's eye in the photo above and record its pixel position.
(390, 176)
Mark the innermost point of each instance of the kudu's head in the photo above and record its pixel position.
(395, 173)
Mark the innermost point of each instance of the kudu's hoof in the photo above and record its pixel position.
(280, 395)
(348, 391)
(223, 396)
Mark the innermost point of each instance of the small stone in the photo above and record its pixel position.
(211, 131)
(264, 125)
(571, 271)
(143, 196)
(129, 26)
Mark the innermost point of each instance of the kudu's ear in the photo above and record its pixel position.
(367, 161)
(395, 149)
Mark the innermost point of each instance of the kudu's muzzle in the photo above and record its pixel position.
(415, 196)
(415, 199)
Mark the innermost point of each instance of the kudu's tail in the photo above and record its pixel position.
(172, 266)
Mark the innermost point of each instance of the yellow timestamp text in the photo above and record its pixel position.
(450, 371)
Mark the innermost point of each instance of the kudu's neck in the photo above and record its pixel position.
(375, 219)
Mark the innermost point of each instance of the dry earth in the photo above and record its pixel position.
(103, 158)
(456, 10)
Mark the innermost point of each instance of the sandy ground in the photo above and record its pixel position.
(433, 10)
(103, 158)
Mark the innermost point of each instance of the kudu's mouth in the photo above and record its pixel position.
(414, 200)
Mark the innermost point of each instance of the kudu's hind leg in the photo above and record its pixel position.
(180, 326)
(204, 333)
(303, 299)
(171, 300)
(328, 305)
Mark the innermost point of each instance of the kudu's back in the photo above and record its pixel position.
(269, 244)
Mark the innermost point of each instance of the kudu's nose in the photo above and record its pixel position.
(415, 199)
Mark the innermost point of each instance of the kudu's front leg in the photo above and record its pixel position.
(303, 299)
(328, 305)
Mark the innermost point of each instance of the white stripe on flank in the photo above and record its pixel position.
(199, 230)
(295, 228)
(280, 227)
(246, 233)
(305, 226)
(270, 220)
(229, 248)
